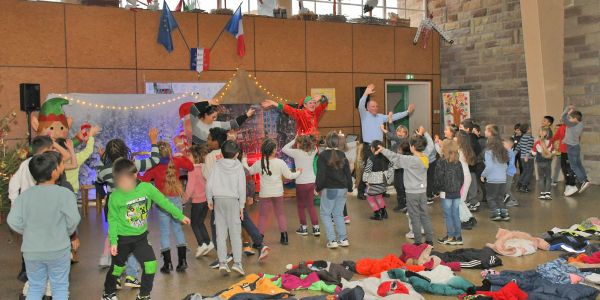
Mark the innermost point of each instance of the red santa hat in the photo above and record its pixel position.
(184, 110)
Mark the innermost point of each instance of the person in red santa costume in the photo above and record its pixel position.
(307, 115)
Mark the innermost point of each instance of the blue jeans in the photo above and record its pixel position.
(131, 266)
(574, 153)
(332, 205)
(55, 270)
(451, 209)
(166, 222)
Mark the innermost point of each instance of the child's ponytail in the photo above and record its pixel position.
(267, 149)
(172, 184)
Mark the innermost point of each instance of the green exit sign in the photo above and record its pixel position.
(410, 76)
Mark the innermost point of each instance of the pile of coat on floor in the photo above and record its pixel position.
(419, 271)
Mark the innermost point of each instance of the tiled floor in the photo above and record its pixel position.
(368, 238)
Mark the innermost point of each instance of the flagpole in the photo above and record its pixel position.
(222, 30)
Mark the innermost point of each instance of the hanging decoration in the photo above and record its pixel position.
(243, 87)
(157, 104)
(425, 28)
(199, 59)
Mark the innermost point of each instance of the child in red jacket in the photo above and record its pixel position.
(166, 179)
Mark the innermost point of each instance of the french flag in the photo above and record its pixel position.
(236, 28)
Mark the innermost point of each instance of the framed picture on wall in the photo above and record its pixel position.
(457, 107)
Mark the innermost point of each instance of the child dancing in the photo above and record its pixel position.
(227, 185)
(128, 226)
(196, 191)
(166, 179)
(271, 170)
(333, 181)
(494, 174)
(304, 158)
(377, 174)
(449, 180)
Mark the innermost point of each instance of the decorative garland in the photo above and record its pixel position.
(130, 107)
(257, 83)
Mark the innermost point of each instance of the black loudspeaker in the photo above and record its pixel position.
(358, 92)
(30, 96)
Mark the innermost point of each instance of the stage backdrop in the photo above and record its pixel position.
(129, 116)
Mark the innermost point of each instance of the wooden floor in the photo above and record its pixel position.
(368, 239)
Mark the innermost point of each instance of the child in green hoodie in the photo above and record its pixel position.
(129, 205)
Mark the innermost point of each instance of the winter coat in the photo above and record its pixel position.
(471, 258)
(253, 284)
(421, 255)
(374, 266)
(539, 288)
(370, 286)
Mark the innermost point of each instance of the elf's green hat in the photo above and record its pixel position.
(307, 99)
(52, 111)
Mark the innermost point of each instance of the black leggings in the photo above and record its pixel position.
(431, 179)
(399, 186)
(198, 215)
(139, 247)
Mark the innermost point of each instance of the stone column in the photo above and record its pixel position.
(543, 35)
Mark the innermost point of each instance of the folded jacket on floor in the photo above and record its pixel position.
(559, 271)
(370, 286)
(253, 284)
(471, 258)
(511, 291)
(421, 255)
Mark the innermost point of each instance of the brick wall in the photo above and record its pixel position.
(582, 74)
(487, 57)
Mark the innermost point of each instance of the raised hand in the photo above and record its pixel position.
(268, 103)
(389, 117)
(250, 112)
(213, 102)
(153, 135)
(370, 89)
(411, 108)
(94, 130)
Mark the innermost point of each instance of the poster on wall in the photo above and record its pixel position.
(457, 107)
(328, 92)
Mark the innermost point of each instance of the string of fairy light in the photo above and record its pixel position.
(278, 99)
(219, 97)
(84, 102)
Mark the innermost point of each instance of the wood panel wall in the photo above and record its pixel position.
(73, 48)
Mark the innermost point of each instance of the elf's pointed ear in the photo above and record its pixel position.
(35, 124)
(69, 121)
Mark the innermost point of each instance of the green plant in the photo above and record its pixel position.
(10, 160)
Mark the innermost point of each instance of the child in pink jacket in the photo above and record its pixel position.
(195, 190)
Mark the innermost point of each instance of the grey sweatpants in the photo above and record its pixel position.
(229, 224)
(419, 217)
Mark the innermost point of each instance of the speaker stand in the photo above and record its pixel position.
(28, 113)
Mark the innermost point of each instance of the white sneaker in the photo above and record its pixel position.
(584, 186)
(200, 250)
(344, 243)
(237, 267)
(332, 245)
(570, 190)
(224, 269)
(410, 235)
(209, 248)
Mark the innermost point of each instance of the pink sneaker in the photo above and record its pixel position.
(347, 219)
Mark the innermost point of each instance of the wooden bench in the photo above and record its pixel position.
(85, 199)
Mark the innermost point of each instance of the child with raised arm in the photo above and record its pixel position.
(573, 119)
(46, 214)
(415, 182)
(130, 204)
(226, 195)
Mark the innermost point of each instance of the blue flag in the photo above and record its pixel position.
(166, 25)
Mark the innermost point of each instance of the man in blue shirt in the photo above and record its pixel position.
(371, 121)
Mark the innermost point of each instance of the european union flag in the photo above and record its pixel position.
(167, 24)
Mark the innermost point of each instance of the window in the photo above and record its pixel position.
(409, 9)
